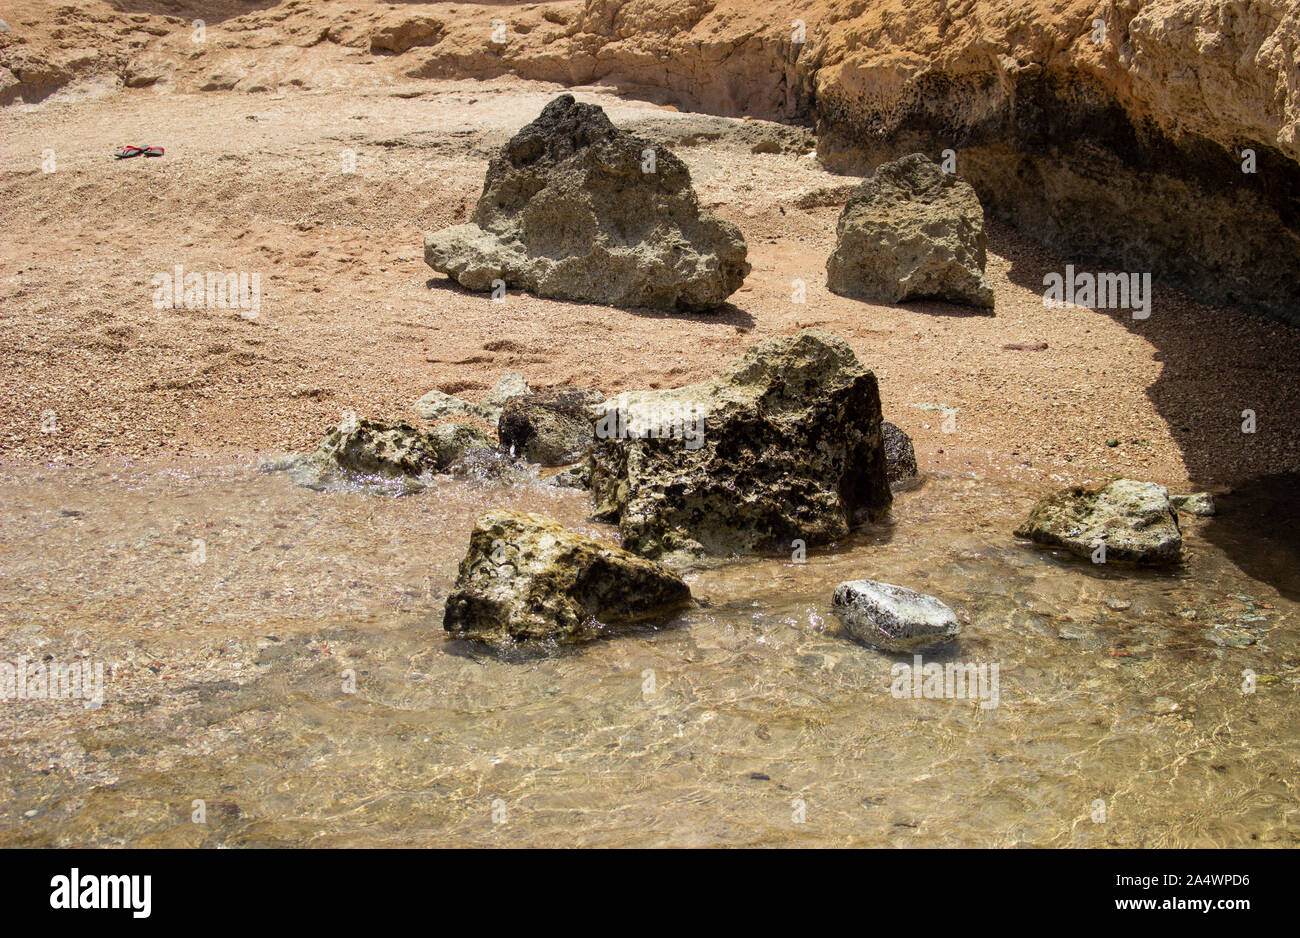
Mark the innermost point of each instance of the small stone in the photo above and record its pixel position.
(1200, 504)
(900, 456)
(509, 386)
(1119, 605)
(553, 428)
(437, 405)
(893, 618)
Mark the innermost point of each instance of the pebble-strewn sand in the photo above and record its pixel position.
(351, 318)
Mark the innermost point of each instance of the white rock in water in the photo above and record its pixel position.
(893, 617)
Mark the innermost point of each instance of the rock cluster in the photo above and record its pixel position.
(575, 209)
(365, 450)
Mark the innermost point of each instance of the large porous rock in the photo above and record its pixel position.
(553, 427)
(1134, 520)
(527, 579)
(783, 446)
(900, 456)
(911, 231)
(573, 208)
(894, 618)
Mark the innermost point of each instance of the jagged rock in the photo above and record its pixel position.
(893, 617)
(436, 405)
(554, 427)
(1197, 503)
(571, 210)
(785, 445)
(1133, 519)
(900, 457)
(910, 232)
(527, 579)
(373, 450)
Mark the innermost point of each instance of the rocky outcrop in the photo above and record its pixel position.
(553, 427)
(1133, 520)
(909, 232)
(526, 580)
(575, 209)
(785, 445)
(900, 457)
(893, 618)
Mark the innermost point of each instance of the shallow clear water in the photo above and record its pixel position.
(751, 720)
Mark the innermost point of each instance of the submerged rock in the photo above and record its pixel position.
(1197, 503)
(573, 208)
(909, 232)
(893, 618)
(376, 450)
(1134, 520)
(900, 457)
(553, 428)
(527, 579)
(785, 445)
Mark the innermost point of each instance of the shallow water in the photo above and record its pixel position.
(751, 720)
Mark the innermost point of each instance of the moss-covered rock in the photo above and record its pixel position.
(1134, 520)
(785, 445)
(527, 579)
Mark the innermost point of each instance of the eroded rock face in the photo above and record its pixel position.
(527, 579)
(575, 209)
(553, 427)
(893, 618)
(911, 232)
(785, 445)
(1134, 520)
